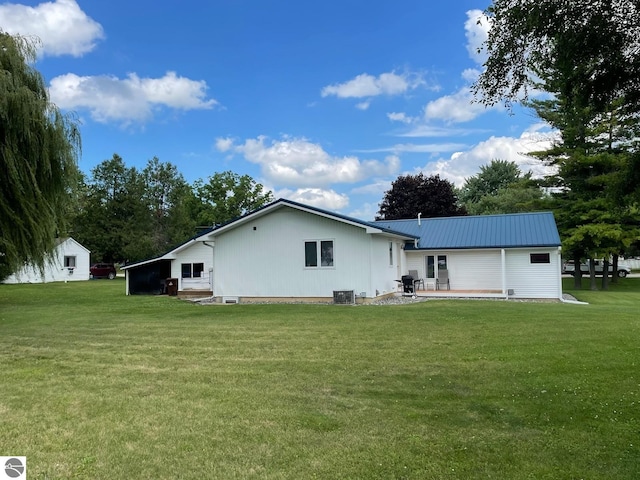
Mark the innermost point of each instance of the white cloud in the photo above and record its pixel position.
(109, 98)
(415, 148)
(464, 164)
(461, 105)
(377, 188)
(367, 211)
(61, 25)
(456, 108)
(296, 161)
(400, 117)
(477, 29)
(470, 75)
(224, 144)
(316, 197)
(430, 131)
(366, 85)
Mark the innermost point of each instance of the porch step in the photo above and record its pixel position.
(195, 293)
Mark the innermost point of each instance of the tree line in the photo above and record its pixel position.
(124, 214)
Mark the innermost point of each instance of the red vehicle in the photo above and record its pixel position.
(103, 270)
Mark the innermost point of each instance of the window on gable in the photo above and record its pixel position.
(540, 258)
(69, 261)
(318, 253)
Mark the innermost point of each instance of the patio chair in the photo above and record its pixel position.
(417, 281)
(442, 280)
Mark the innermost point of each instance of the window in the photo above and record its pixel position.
(311, 253)
(540, 258)
(192, 270)
(70, 261)
(390, 254)
(186, 270)
(326, 253)
(198, 268)
(431, 271)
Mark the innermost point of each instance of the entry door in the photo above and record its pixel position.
(430, 265)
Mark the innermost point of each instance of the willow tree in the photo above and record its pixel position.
(38, 159)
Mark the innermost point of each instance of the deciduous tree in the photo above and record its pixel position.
(38, 156)
(227, 195)
(411, 195)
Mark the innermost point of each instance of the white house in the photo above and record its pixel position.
(289, 251)
(70, 261)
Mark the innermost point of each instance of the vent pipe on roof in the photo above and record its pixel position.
(419, 222)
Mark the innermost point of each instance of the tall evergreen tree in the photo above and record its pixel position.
(38, 157)
(167, 196)
(500, 187)
(115, 223)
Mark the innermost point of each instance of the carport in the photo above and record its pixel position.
(148, 278)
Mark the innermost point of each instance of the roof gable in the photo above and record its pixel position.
(370, 227)
(536, 229)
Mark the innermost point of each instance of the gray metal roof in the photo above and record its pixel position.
(536, 229)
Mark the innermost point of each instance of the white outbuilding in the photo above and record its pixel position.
(70, 261)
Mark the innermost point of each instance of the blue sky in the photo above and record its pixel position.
(325, 103)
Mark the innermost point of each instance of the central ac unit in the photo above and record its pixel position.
(344, 297)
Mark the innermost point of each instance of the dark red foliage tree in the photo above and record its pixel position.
(411, 195)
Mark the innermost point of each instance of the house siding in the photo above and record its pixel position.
(527, 280)
(482, 270)
(55, 270)
(468, 269)
(196, 253)
(266, 258)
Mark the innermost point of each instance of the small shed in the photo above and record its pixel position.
(70, 261)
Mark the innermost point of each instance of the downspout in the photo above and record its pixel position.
(560, 272)
(213, 262)
(561, 296)
(503, 260)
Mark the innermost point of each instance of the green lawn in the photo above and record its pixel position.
(98, 385)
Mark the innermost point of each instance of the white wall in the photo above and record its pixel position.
(542, 280)
(266, 258)
(482, 270)
(55, 270)
(198, 252)
(468, 269)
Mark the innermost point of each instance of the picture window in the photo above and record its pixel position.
(318, 253)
